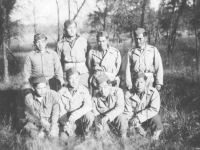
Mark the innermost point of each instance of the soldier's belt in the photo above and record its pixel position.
(70, 65)
(149, 74)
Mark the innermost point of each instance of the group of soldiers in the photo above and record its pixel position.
(76, 89)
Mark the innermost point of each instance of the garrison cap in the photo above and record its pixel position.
(139, 75)
(69, 22)
(38, 79)
(70, 72)
(139, 31)
(102, 34)
(102, 78)
(39, 36)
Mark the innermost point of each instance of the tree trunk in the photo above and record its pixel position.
(196, 39)
(5, 59)
(143, 13)
(69, 11)
(172, 35)
(58, 14)
(79, 9)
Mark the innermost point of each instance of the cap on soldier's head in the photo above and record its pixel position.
(139, 75)
(139, 31)
(69, 22)
(38, 79)
(102, 34)
(70, 72)
(39, 36)
(102, 78)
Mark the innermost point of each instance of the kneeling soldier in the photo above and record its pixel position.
(142, 107)
(75, 106)
(108, 107)
(41, 110)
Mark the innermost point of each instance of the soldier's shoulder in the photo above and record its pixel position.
(31, 53)
(82, 39)
(152, 48)
(116, 90)
(29, 97)
(62, 90)
(114, 49)
(152, 90)
(84, 89)
(60, 41)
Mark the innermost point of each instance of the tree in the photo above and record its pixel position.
(176, 14)
(58, 14)
(6, 6)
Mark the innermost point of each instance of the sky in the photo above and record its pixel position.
(46, 10)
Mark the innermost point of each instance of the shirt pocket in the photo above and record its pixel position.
(47, 110)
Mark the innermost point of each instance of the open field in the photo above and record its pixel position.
(180, 111)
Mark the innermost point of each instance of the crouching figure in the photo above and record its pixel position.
(142, 107)
(75, 106)
(108, 107)
(41, 110)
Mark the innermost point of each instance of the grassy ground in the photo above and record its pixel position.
(180, 110)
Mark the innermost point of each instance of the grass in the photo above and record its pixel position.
(180, 110)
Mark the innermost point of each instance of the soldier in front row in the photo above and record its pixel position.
(144, 58)
(105, 60)
(108, 107)
(142, 107)
(41, 110)
(75, 106)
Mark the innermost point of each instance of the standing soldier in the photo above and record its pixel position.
(144, 58)
(41, 110)
(105, 60)
(73, 51)
(142, 107)
(75, 106)
(108, 107)
(43, 61)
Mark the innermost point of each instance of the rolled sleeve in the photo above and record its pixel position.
(128, 72)
(55, 111)
(158, 68)
(27, 68)
(58, 69)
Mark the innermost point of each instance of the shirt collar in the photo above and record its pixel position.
(46, 50)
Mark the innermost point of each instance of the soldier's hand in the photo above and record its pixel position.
(128, 94)
(104, 121)
(53, 133)
(134, 122)
(45, 124)
(69, 129)
(158, 87)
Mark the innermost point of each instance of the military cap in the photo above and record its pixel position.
(139, 31)
(139, 75)
(102, 78)
(69, 22)
(70, 72)
(102, 34)
(39, 36)
(38, 79)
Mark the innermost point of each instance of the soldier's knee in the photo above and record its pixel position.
(89, 116)
(30, 126)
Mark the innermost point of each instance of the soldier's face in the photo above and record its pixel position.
(71, 30)
(41, 89)
(41, 44)
(104, 89)
(74, 80)
(102, 43)
(140, 85)
(140, 40)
